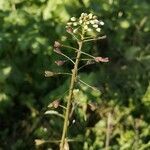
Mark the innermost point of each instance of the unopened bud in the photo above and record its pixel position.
(98, 29)
(73, 19)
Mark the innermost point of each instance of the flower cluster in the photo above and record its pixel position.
(86, 22)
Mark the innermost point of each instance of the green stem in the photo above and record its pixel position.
(70, 47)
(88, 55)
(72, 84)
(108, 131)
(67, 57)
(95, 39)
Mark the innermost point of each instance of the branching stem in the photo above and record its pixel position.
(72, 84)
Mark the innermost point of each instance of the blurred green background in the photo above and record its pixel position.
(28, 29)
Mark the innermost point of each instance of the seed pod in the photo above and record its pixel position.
(59, 62)
(54, 104)
(69, 29)
(100, 59)
(57, 50)
(57, 44)
(49, 73)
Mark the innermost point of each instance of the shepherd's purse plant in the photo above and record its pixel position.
(84, 29)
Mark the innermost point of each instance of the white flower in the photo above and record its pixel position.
(92, 21)
(89, 29)
(73, 19)
(94, 17)
(101, 23)
(82, 15)
(85, 27)
(98, 29)
(80, 21)
(95, 25)
(85, 14)
(75, 24)
(87, 22)
(96, 21)
(90, 16)
(69, 23)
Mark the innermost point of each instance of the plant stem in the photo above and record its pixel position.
(72, 84)
(108, 131)
(95, 39)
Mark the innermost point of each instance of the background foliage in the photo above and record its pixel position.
(28, 29)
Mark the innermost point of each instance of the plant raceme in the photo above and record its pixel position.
(81, 29)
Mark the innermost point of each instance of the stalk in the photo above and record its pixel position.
(108, 131)
(72, 84)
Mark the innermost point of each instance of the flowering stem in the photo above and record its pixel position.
(72, 84)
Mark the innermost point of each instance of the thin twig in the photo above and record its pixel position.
(52, 112)
(60, 73)
(95, 39)
(70, 47)
(88, 85)
(87, 54)
(58, 141)
(62, 107)
(67, 57)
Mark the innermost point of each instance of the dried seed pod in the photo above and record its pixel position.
(57, 50)
(39, 142)
(49, 73)
(57, 44)
(54, 104)
(59, 62)
(100, 59)
(69, 29)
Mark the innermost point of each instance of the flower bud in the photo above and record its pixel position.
(80, 21)
(94, 17)
(73, 19)
(95, 26)
(85, 27)
(90, 16)
(101, 23)
(92, 21)
(98, 29)
(75, 24)
(69, 23)
(89, 29)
